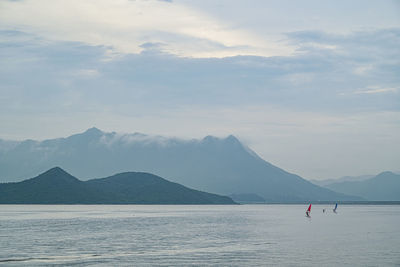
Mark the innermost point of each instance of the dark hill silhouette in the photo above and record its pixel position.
(56, 186)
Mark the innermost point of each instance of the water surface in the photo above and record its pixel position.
(237, 235)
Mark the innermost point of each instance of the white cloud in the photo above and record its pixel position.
(88, 73)
(363, 69)
(377, 90)
(125, 25)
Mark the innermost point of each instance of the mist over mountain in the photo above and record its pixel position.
(384, 186)
(56, 186)
(223, 166)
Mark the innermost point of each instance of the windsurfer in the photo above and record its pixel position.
(308, 211)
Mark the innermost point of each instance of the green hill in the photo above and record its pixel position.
(56, 186)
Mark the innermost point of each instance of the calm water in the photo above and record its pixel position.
(246, 235)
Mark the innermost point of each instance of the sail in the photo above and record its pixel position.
(334, 210)
(308, 211)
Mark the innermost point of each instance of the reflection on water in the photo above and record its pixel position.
(251, 235)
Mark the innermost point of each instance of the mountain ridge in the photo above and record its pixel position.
(382, 187)
(217, 165)
(326, 182)
(57, 186)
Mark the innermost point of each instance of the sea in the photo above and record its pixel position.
(199, 235)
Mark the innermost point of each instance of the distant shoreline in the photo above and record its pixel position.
(374, 203)
(366, 202)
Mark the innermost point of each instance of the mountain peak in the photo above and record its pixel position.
(232, 139)
(56, 170)
(56, 174)
(93, 131)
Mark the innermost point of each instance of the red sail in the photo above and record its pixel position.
(309, 208)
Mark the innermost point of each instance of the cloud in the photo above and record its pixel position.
(377, 90)
(172, 82)
(314, 79)
(363, 69)
(88, 73)
(125, 25)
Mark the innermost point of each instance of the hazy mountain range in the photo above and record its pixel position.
(223, 166)
(56, 186)
(326, 182)
(384, 186)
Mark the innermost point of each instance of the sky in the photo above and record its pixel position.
(311, 86)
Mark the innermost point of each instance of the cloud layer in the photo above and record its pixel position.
(124, 26)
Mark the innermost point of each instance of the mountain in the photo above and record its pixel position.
(341, 179)
(218, 165)
(247, 198)
(384, 186)
(56, 186)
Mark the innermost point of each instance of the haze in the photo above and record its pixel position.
(313, 87)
